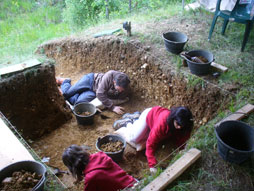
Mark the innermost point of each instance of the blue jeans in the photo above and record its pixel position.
(82, 91)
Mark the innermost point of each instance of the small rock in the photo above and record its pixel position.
(147, 48)
(144, 66)
(7, 180)
(204, 120)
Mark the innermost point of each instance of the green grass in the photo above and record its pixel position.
(22, 34)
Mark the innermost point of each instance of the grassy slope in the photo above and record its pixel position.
(20, 34)
(20, 37)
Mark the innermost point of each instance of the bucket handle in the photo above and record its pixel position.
(185, 55)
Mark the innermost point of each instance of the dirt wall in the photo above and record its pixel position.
(31, 101)
(155, 82)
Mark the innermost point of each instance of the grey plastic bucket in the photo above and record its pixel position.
(235, 141)
(116, 156)
(27, 165)
(84, 107)
(174, 41)
(200, 68)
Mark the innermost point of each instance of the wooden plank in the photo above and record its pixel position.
(239, 114)
(19, 67)
(173, 171)
(11, 149)
(219, 67)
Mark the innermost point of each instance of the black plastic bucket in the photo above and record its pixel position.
(116, 156)
(200, 68)
(235, 141)
(84, 107)
(30, 166)
(174, 41)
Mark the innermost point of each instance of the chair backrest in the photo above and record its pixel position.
(242, 11)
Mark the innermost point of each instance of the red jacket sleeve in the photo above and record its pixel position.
(157, 134)
(151, 145)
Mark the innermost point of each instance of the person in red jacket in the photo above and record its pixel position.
(154, 125)
(100, 172)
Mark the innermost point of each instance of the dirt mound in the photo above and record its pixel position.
(31, 101)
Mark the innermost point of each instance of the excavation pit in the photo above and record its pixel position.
(32, 103)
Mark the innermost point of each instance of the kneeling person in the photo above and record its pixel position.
(100, 172)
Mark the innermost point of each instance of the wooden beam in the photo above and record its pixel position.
(173, 171)
(219, 67)
(19, 67)
(11, 149)
(239, 114)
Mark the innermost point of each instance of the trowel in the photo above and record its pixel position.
(56, 171)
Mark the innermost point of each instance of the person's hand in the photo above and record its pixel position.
(119, 110)
(153, 171)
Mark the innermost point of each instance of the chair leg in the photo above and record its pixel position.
(224, 26)
(212, 26)
(246, 34)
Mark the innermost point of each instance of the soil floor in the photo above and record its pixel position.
(53, 145)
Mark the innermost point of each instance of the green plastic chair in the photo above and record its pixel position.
(239, 14)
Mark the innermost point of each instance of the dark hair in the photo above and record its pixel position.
(183, 117)
(122, 80)
(76, 158)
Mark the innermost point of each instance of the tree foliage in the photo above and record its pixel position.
(79, 12)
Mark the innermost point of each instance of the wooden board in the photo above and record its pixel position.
(239, 114)
(173, 171)
(11, 149)
(19, 67)
(219, 67)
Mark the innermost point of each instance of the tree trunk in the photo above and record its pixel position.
(107, 12)
(129, 6)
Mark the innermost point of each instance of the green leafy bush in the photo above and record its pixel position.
(80, 12)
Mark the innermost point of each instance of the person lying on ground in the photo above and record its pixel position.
(107, 87)
(99, 171)
(154, 125)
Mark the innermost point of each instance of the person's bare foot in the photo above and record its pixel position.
(60, 80)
